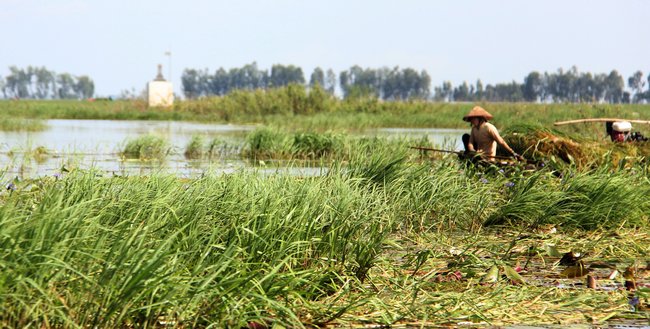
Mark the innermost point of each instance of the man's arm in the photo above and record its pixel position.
(470, 144)
(497, 137)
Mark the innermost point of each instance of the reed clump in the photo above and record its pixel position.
(146, 147)
(273, 143)
(8, 123)
(277, 144)
(195, 148)
(200, 148)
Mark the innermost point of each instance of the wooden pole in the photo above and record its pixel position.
(559, 123)
(421, 148)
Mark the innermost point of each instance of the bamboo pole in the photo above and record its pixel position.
(559, 123)
(421, 148)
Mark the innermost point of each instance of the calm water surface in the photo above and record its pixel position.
(96, 143)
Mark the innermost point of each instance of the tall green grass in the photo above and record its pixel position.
(84, 250)
(8, 123)
(195, 148)
(82, 109)
(222, 251)
(273, 143)
(199, 148)
(146, 147)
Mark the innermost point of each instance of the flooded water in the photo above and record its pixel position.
(96, 144)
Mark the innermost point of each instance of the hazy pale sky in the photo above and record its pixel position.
(119, 43)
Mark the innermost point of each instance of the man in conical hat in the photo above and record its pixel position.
(484, 136)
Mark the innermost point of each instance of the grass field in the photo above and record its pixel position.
(389, 237)
(316, 111)
(386, 238)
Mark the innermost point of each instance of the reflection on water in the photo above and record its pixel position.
(106, 136)
(87, 144)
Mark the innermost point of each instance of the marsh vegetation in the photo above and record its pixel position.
(386, 236)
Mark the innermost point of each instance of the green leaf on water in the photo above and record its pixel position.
(513, 275)
(492, 275)
(552, 251)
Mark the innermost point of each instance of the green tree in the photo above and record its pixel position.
(248, 77)
(45, 83)
(532, 86)
(251, 77)
(220, 82)
(461, 93)
(282, 75)
(438, 95)
(444, 93)
(479, 90)
(647, 92)
(196, 83)
(17, 82)
(317, 78)
(599, 87)
(85, 87)
(189, 83)
(330, 82)
(390, 83)
(365, 82)
(423, 89)
(409, 83)
(40, 83)
(414, 85)
(505, 92)
(566, 84)
(344, 80)
(636, 83)
(65, 86)
(584, 88)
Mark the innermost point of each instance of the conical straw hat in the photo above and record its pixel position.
(478, 111)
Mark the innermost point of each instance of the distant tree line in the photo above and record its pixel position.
(384, 83)
(403, 84)
(563, 86)
(200, 83)
(41, 83)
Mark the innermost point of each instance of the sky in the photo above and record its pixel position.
(120, 43)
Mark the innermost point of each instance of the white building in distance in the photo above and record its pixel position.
(160, 92)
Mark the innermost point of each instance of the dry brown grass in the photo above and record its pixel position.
(583, 153)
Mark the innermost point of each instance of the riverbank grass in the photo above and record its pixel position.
(382, 239)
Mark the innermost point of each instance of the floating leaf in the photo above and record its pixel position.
(511, 274)
(552, 251)
(492, 275)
